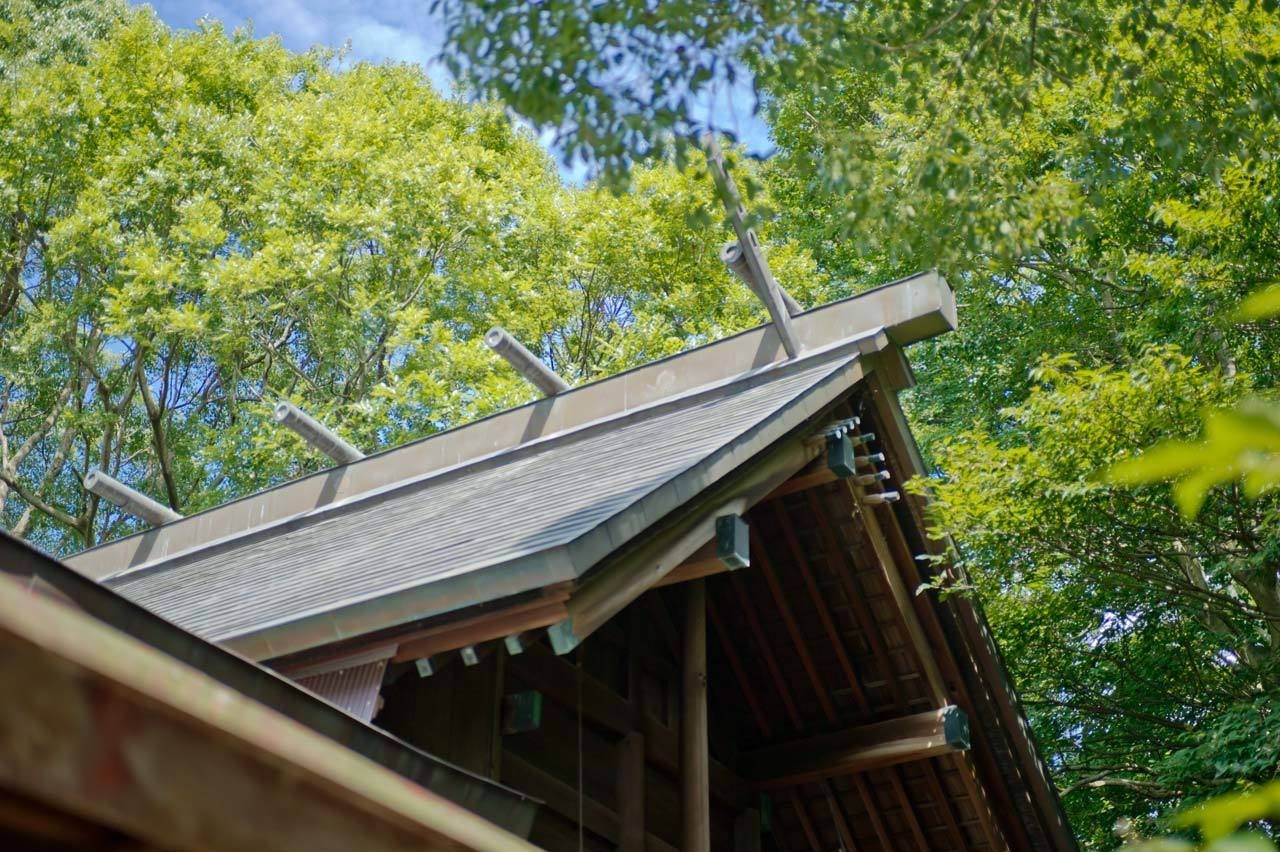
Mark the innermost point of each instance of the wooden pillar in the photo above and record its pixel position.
(695, 760)
(631, 793)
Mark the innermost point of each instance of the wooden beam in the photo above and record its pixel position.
(631, 793)
(803, 482)
(806, 822)
(739, 670)
(702, 563)
(483, 627)
(859, 749)
(766, 651)
(801, 563)
(838, 818)
(818, 683)
(695, 775)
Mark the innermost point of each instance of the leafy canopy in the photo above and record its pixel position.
(195, 224)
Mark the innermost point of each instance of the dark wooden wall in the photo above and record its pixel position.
(615, 701)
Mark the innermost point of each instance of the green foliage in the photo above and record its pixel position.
(195, 224)
(1217, 822)
(1091, 607)
(1240, 443)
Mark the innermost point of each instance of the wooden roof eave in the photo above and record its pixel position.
(207, 766)
(137, 633)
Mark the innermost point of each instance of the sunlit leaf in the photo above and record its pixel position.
(1260, 305)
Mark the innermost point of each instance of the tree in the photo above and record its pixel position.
(1138, 635)
(203, 222)
(1094, 178)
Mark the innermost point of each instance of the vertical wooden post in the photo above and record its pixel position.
(695, 760)
(631, 793)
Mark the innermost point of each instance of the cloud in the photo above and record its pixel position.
(396, 31)
(406, 31)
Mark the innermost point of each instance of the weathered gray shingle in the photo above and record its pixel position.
(460, 523)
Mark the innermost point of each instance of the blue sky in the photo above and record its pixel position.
(398, 30)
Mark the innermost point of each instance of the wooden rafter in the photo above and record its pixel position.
(766, 651)
(739, 671)
(873, 812)
(802, 482)
(908, 813)
(702, 563)
(939, 793)
(841, 566)
(801, 563)
(761, 558)
(806, 822)
(981, 806)
(905, 608)
(906, 462)
(843, 831)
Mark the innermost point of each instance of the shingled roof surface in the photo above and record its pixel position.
(525, 499)
(521, 504)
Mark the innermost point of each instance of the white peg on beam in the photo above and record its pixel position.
(134, 502)
(526, 363)
(316, 434)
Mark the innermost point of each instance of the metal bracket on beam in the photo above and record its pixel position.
(134, 502)
(840, 454)
(424, 666)
(316, 434)
(733, 542)
(879, 499)
(748, 257)
(470, 656)
(526, 363)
